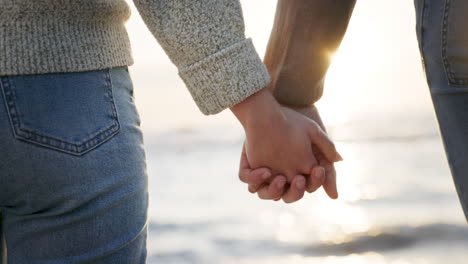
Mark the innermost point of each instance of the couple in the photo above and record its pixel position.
(73, 180)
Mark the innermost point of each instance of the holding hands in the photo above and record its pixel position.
(291, 151)
(287, 150)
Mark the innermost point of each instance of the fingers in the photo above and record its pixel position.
(315, 179)
(274, 190)
(324, 143)
(244, 166)
(254, 188)
(296, 189)
(330, 181)
(255, 177)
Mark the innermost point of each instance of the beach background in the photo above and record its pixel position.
(397, 200)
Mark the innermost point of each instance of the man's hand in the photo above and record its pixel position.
(330, 172)
(274, 188)
(304, 36)
(280, 138)
(284, 144)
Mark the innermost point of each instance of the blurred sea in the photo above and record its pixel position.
(397, 205)
(397, 202)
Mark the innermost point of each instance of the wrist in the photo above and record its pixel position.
(259, 107)
(310, 112)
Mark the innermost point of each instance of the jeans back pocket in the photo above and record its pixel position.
(455, 41)
(69, 112)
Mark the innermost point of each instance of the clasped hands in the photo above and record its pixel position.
(286, 151)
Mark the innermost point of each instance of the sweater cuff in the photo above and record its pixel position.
(226, 77)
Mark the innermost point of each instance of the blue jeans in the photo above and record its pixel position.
(442, 28)
(73, 181)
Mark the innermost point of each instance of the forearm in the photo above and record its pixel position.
(304, 36)
(205, 40)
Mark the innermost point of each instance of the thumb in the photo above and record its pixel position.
(324, 143)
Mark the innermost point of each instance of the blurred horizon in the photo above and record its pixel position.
(389, 78)
(397, 202)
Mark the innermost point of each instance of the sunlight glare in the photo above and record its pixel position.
(345, 219)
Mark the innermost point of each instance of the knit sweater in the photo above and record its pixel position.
(203, 38)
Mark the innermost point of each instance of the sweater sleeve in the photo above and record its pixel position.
(205, 40)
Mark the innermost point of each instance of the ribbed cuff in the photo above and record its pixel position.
(225, 78)
(55, 45)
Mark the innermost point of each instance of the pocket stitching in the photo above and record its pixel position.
(448, 68)
(56, 143)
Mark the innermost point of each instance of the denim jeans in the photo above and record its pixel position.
(73, 180)
(442, 31)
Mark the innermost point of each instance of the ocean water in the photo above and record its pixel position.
(397, 201)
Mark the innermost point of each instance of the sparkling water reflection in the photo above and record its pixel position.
(397, 201)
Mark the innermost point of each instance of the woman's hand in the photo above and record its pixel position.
(270, 188)
(284, 143)
(260, 181)
(281, 139)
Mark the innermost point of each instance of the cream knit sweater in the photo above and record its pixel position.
(203, 38)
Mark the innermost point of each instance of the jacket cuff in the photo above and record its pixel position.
(226, 77)
(297, 91)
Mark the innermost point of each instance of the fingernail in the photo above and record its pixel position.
(281, 184)
(300, 184)
(338, 157)
(266, 175)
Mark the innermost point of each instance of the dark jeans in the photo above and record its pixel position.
(442, 30)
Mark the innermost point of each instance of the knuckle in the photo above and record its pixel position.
(314, 131)
(289, 174)
(307, 167)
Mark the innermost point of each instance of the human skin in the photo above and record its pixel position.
(304, 36)
(275, 188)
(280, 138)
